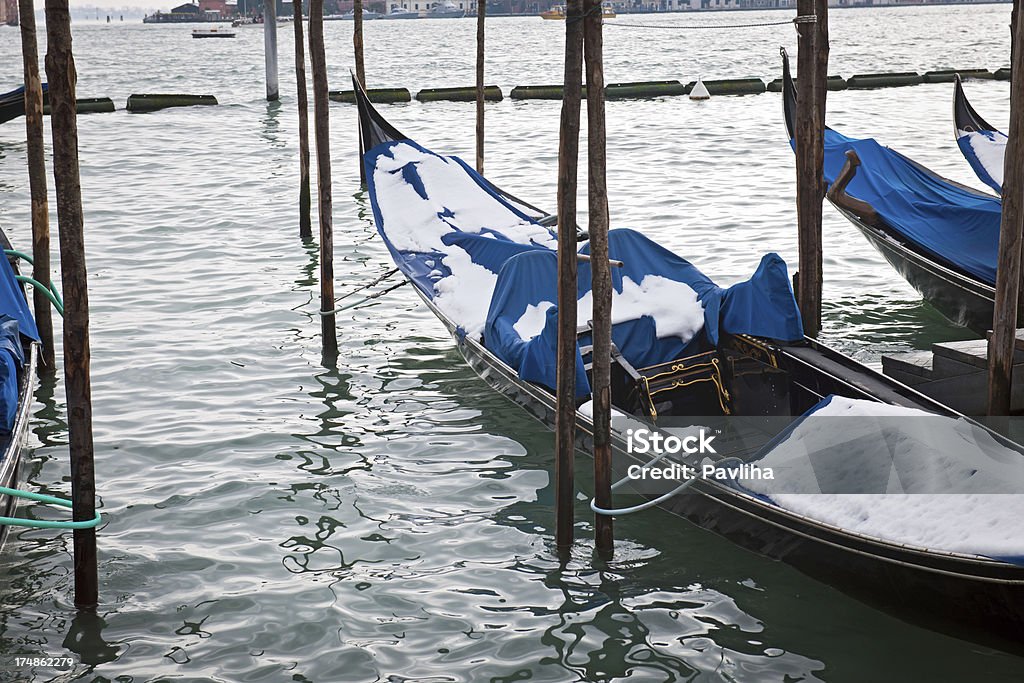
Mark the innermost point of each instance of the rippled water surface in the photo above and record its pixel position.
(272, 519)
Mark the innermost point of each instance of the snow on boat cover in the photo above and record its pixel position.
(902, 475)
(492, 271)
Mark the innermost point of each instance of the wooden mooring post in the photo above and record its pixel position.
(270, 48)
(481, 16)
(37, 183)
(357, 47)
(812, 70)
(321, 117)
(601, 276)
(1011, 239)
(61, 76)
(568, 157)
(305, 223)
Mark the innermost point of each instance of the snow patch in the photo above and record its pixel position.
(673, 306)
(945, 480)
(531, 322)
(990, 149)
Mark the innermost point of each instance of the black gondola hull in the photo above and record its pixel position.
(976, 599)
(963, 300)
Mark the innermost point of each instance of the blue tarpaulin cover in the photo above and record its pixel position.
(492, 270)
(949, 222)
(762, 306)
(14, 304)
(15, 321)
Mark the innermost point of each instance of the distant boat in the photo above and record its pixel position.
(558, 12)
(367, 15)
(12, 104)
(247, 21)
(398, 12)
(445, 10)
(212, 33)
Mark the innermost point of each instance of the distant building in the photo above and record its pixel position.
(9, 12)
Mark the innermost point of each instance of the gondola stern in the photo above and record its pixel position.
(374, 129)
(965, 118)
(788, 94)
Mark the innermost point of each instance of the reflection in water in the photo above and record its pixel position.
(85, 638)
(270, 126)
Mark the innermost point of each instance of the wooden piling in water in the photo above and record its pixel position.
(601, 276)
(61, 76)
(481, 15)
(321, 117)
(357, 46)
(1011, 239)
(270, 48)
(37, 183)
(812, 65)
(305, 223)
(568, 156)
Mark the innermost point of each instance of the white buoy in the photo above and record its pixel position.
(700, 91)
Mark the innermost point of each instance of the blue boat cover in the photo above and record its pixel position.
(15, 321)
(946, 221)
(492, 271)
(762, 306)
(11, 358)
(13, 303)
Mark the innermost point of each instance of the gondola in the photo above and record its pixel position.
(941, 236)
(12, 104)
(19, 345)
(449, 230)
(982, 145)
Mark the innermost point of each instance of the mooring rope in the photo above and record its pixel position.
(804, 19)
(45, 523)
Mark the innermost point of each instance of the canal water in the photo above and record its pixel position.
(268, 518)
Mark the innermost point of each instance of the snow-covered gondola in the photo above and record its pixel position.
(686, 348)
(941, 236)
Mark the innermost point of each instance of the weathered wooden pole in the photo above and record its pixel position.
(270, 48)
(1008, 270)
(321, 117)
(810, 126)
(61, 76)
(481, 15)
(37, 182)
(1014, 13)
(305, 225)
(601, 276)
(568, 156)
(357, 41)
(357, 46)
